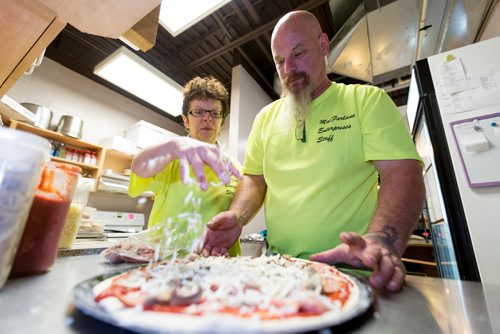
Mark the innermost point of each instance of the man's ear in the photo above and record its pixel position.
(325, 43)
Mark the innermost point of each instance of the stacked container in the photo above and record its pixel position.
(38, 248)
(22, 156)
(74, 217)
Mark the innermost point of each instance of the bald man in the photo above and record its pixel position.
(315, 158)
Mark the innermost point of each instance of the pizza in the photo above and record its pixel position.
(217, 294)
(128, 251)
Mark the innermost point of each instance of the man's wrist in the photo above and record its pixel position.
(386, 236)
(241, 219)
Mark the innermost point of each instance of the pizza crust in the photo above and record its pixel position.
(136, 318)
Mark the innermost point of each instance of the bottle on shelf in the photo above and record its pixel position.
(87, 159)
(61, 153)
(79, 157)
(76, 155)
(53, 148)
(82, 156)
(69, 154)
(93, 158)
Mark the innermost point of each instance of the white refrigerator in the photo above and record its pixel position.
(454, 115)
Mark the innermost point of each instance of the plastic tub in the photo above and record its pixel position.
(74, 216)
(38, 248)
(22, 156)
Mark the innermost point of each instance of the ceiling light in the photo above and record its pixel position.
(130, 72)
(129, 43)
(176, 16)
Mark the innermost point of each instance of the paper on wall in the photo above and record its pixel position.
(453, 75)
(461, 91)
(484, 87)
(452, 86)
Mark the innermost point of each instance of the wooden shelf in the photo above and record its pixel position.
(419, 259)
(83, 166)
(117, 161)
(93, 171)
(52, 135)
(424, 263)
(119, 155)
(106, 158)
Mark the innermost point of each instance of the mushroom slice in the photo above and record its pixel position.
(186, 295)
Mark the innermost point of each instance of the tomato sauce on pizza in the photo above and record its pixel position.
(264, 288)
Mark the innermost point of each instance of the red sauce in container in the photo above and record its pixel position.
(38, 248)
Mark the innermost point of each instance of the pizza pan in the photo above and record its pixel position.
(153, 322)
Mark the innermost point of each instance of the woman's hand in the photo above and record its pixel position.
(189, 152)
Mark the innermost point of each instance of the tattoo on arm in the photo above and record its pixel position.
(387, 236)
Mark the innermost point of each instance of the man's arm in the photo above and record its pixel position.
(249, 197)
(225, 228)
(400, 203)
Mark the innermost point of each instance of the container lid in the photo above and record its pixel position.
(85, 184)
(66, 167)
(25, 139)
(148, 125)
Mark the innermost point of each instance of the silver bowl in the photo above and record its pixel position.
(71, 126)
(43, 114)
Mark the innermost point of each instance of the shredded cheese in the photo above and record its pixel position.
(274, 284)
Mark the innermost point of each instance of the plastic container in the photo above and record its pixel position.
(118, 143)
(38, 248)
(22, 156)
(143, 134)
(74, 217)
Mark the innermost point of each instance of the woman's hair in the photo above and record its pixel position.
(207, 87)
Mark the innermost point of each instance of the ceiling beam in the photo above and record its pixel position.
(242, 52)
(192, 45)
(255, 16)
(247, 37)
(265, 50)
(240, 15)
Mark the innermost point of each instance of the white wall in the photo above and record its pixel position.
(247, 98)
(103, 111)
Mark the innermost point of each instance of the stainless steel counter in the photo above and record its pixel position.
(90, 247)
(43, 304)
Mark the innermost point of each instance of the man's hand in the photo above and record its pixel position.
(358, 251)
(222, 232)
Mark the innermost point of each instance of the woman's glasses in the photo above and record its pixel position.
(201, 113)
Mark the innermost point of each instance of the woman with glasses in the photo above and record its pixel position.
(190, 177)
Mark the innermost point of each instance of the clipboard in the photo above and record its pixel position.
(478, 142)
